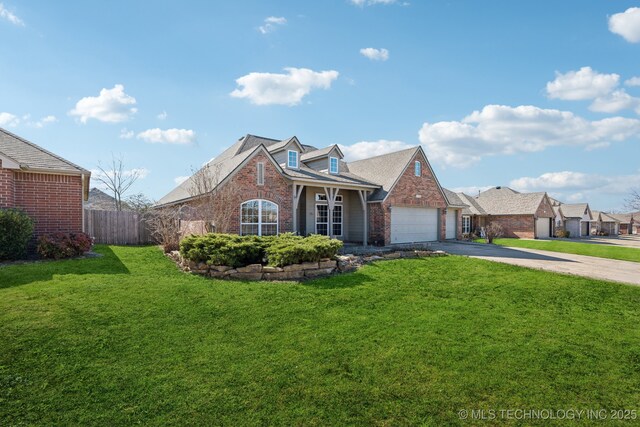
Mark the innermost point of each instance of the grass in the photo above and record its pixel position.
(128, 339)
(577, 248)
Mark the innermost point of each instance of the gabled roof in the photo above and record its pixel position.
(383, 170)
(575, 210)
(219, 168)
(101, 201)
(30, 156)
(310, 155)
(473, 207)
(623, 218)
(454, 200)
(602, 217)
(306, 173)
(280, 145)
(505, 201)
(557, 210)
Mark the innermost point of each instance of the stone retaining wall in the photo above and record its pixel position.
(307, 270)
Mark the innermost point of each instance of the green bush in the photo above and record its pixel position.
(222, 249)
(287, 250)
(16, 229)
(237, 251)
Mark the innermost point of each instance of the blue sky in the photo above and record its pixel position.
(540, 96)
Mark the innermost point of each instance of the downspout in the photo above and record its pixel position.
(82, 201)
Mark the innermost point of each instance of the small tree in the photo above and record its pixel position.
(212, 204)
(492, 231)
(164, 224)
(117, 179)
(139, 203)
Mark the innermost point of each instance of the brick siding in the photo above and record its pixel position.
(519, 226)
(404, 194)
(54, 202)
(7, 195)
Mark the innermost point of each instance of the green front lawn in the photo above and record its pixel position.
(128, 339)
(578, 248)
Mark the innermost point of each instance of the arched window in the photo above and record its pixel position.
(258, 217)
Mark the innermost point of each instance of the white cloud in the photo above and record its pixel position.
(500, 129)
(168, 136)
(45, 121)
(282, 89)
(126, 134)
(375, 54)
(9, 120)
(162, 116)
(271, 23)
(111, 106)
(615, 101)
(578, 185)
(582, 84)
(364, 149)
(626, 24)
(180, 179)
(633, 81)
(9, 16)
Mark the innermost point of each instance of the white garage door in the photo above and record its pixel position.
(413, 224)
(451, 224)
(542, 228)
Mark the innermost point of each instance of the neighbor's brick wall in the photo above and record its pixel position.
(545, 210)
(376, 223)
(405, 191)
(54, 202)
(520, 226)
(244, 187)
(7, 195)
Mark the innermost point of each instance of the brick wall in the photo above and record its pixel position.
(243, 185)
(376, 223)
(407, 188)
(545, 210)
(53, 201)
(7, 198)
(520, 226)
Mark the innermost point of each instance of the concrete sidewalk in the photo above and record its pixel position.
(592, 267)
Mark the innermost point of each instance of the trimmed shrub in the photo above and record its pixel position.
(16, 229)
(63, 245)
(563, 234)
(295, 249)
(238, 251)
(223, 249)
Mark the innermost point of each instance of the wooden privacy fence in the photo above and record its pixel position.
(116, 227)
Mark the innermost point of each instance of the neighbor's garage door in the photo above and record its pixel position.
(413, 224)
(543, 230)
(451, 224)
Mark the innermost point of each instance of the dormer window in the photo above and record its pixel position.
(333, 165)
(418, 168)
(292, 159)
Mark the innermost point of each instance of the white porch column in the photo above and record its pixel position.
(363, 201)
(297, 192)
(332, 194)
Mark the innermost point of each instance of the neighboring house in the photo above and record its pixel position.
(577, 219)
(100, 201)
(628, 222)
(560, 218)
(285, 186)
(49, 188)
(521, 215)
(604, 223)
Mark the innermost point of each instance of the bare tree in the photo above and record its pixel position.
(213, 204)
(492, 231)
(117, 179)
(139, 203)
(165, 227)
(633, 201)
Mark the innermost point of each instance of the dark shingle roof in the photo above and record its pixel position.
(31, 156)
(309, 155)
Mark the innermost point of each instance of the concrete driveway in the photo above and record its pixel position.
(592, 267)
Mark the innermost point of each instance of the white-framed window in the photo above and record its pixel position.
(292, 159)
(336, 220)
(258, 217)
(333, 165)
(260, 173)
(321, 197)
(322, 219)
(466, 224)
(417, 168)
